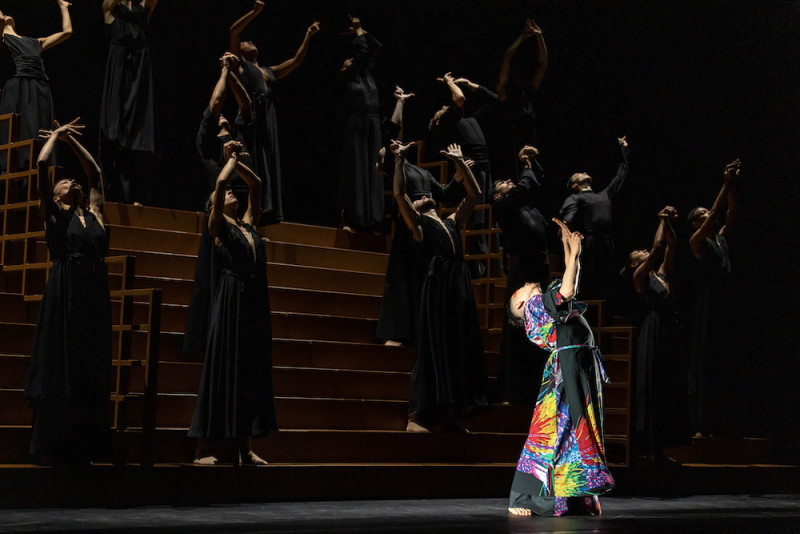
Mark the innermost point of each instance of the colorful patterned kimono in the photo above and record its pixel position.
(562, 467)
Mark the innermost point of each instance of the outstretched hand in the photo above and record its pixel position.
(231, 61)
(399, 149)
(668, 213)
(63, 3)
(623, 141)
(71, 128)
(447, 78)
(733, 169)
(232, 149)
(531, 29)
(258, 7)
(401, 95)
(313, 29)
(528, 153)
(570, 240)
(453, 152)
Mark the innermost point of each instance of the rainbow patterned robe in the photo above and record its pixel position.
(565, 449)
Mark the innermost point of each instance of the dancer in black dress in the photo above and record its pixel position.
(127, 111)
(524, 239)
(27, 90)
(261, 135)
(215, 130)
(658, 397)
(361, 199)
(516, 91)
(405, 269)
(449, 372)
(70, 369)
(235, 401)
(590, 214)
(709, 244)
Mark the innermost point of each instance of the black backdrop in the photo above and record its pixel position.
(693, 84)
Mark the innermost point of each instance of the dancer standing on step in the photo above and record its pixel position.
(525, 258)
(711, 398)
(449, 373)
(70, 369)
(361, 199)
(235, 402)
(127, 111)
(262, 134)
(590, 214)
(562, 468)
(659, 399)
(27, 91)
(406, 268)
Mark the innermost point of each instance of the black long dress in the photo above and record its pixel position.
(707, 386)
(450, 365)
(657, 399)
(235, 397)
(70, 369)
(127, 110)
(406, 268)
(27, 92)
(261, 137)
(361, 199)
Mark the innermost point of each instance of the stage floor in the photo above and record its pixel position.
(720, 513)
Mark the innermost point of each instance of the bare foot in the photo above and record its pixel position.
(415, 427)
(520, 512)
(392, 343)
(251, 458)
(206, 460)
(139, 204)
(347, 229)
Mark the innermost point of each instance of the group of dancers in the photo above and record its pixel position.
(428, 299)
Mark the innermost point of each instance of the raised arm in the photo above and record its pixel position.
(467, 206)
(709, 226)
(94, 176)
(253, 195)
(732, 171)
(109, 6)
(47, 205)
(218, 95)
(66, 28)
(484, 92)
(241, 95)
(455, 90)
(216, 220)
(622, 171)
(642, 272)
(284, 69)
(531, 29)
(572, 251)
(669, 214)
(410, 215)
(149, 7)
(400, 97)
(234, 40)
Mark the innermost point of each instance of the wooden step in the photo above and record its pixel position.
(175, 411)
(325, 237)
(154, 218)
(133, 239)
(723, 450)
(331, 258)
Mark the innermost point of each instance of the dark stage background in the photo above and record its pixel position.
(693, 84)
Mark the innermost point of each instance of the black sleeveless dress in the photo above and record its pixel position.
(450, 365)
(70, 369)
(127, 112)
(28, 91)
(235, 397)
